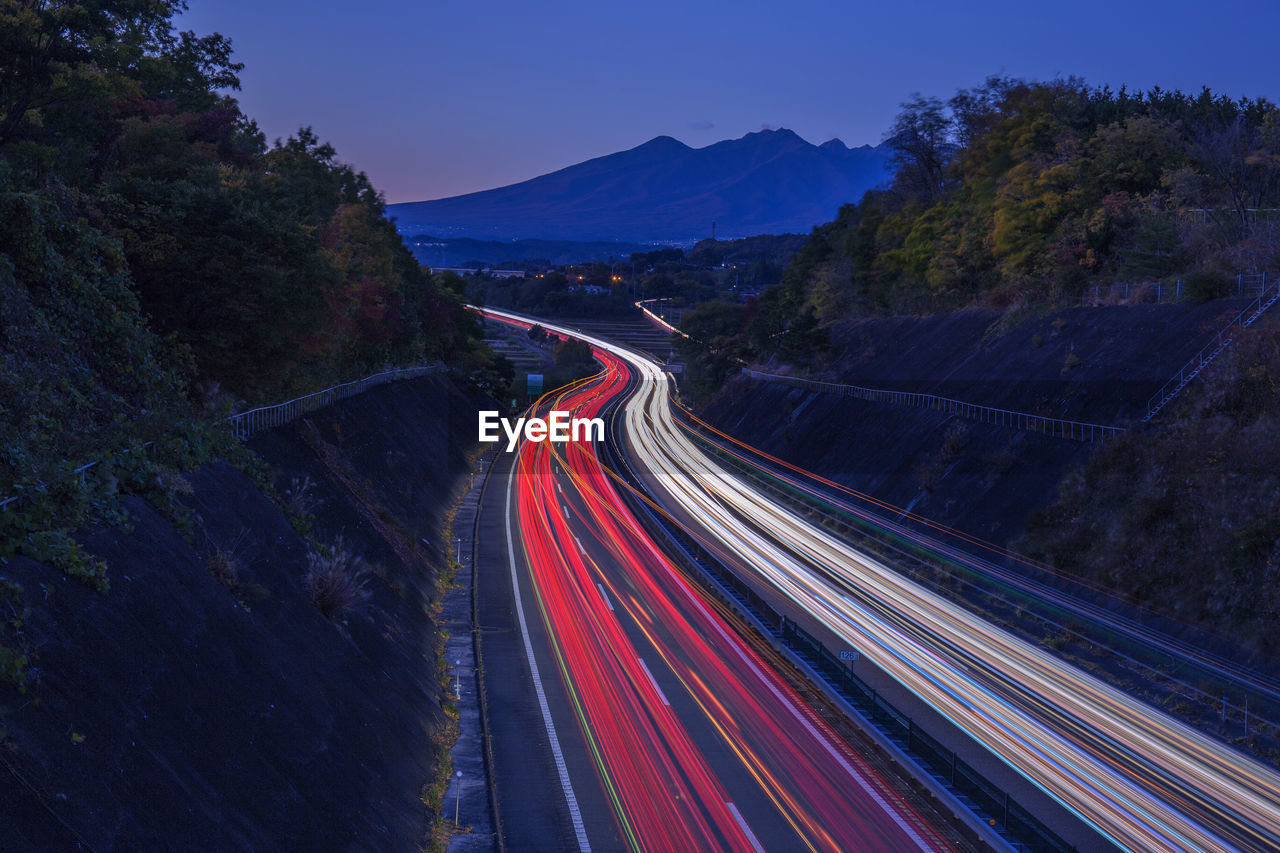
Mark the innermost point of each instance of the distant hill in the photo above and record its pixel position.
(771, 181)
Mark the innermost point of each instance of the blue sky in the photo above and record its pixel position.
(434, 99)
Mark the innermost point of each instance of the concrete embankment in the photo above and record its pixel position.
(1088, 364)
(204, 702)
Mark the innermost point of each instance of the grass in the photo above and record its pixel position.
(335, 580)
(299, 503)
(224, 563)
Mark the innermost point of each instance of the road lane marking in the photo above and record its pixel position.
(746, 830)
(575, 815)
(653, 681)
(608, 603)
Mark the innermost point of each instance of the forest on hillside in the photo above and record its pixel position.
(1017, 194)
(161, 263)
(710, 269)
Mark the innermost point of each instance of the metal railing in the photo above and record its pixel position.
(1124, 292)
(1023, 830)
(1253, 284)
(1056, 427)
(1248, 285)
(247, 423)
(1211, 350)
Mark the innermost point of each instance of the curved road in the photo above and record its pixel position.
(1138, 777)
(693, 742)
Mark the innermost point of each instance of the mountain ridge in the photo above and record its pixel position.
(768, 181)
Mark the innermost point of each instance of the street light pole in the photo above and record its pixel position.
(457, 798)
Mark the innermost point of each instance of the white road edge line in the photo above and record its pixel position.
(858, 777)
(607, 602)
(575, 815)
(751, 836)
(653, 681)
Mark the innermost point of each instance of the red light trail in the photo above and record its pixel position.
(592, 566)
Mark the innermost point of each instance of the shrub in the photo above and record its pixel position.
(1205, 285)
(336, 579)
(13, 665)
(300, 504)
(225, 568)
(954, 440)
(224, 563)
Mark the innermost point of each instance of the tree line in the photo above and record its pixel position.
(1023, 193)
(160, 262)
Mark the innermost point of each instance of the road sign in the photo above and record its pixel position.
(849, 654)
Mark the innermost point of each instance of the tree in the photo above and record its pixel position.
(572, 353)
(921, 144)
(1243, 160)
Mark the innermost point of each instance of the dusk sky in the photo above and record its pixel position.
(435, 99)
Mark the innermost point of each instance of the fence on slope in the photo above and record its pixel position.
(1223, 339)
(1056, 427)
(1122, 292)
(245, 424)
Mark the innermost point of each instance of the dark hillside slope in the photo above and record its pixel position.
(1097, 365)
(176, 712)
(1186, 518)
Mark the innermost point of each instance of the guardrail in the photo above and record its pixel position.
(247, 423)
(1024, 830)
(1056, 427)
(1213, 349)
(658, 319)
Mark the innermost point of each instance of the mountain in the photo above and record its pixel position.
(767, 182)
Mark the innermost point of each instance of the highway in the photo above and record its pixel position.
(1141, 779)
(697, 744)
(1164, 657)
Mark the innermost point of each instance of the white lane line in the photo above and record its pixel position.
(603, 595)
(653, 681)
(579, 541)
(751, 836)
(575, 815)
